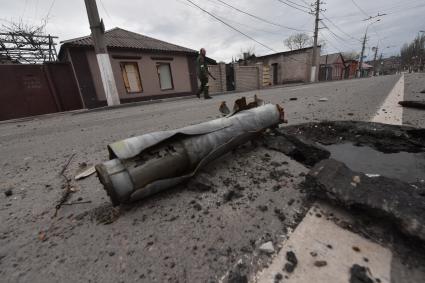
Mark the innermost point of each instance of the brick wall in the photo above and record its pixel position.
(291, 66)
(247, 77)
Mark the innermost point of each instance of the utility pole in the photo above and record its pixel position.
(98, 36)
(359, 74)
(316, 32)
(374, 60)
(360, 68)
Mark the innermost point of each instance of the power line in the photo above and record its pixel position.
(360, 8)
(335, 35)
(330, 43)
(107, 13)
(296, 4)
(294, 7)
(337, 27)
(230, 26)
(257, 17)
(50, 10)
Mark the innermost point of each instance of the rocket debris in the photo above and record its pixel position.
(147, 164)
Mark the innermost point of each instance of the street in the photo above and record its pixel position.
(183, 234)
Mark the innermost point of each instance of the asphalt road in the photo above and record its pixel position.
(168, 237)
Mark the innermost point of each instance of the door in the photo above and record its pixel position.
(275, 71)
(230, 77)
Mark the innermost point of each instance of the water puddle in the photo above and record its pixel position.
(408, 167)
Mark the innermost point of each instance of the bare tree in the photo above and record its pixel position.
(351, 55)
(413, 54)
(298, 41)
(24, 43)
(246, 53)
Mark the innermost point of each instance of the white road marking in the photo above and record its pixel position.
(310, 243)
(390, 111)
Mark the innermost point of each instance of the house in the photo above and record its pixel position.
(367, 70)
(387, 66)
(289, 66)
(144, 68)
(332, 67)
(351, 67)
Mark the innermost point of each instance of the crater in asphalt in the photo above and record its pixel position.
(405, 166)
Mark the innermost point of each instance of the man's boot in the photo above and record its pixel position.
(206, 95)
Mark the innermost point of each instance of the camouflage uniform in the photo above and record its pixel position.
(203, 76)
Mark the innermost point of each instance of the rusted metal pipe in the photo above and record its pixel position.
(144, 165)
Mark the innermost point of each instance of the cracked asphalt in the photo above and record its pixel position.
(193, 233)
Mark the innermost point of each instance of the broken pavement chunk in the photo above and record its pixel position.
(412, 104)
(8, 192)
(380, 196)
(267, 248)
(292, 262)
(300, 149)
(358, 274)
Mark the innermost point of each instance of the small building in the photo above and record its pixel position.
(144, 68)
(367, 70)
(351, 67)
(289, 66)
(332, 67)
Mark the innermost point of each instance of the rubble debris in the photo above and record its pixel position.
(380, 196)
(223, 108)
(279, 213)
(320, 263)
(372, 175)
(85, 173)
(262, 208)
(356, 249)
(412, 104)
(292, 262)
(42, 236)
(231, 194)
(104, 214)
(239, 274)
(241, 104)
(197, 206)
(144, 165)
(278, 277)
(8, 192)
(359, 274)
(267, 248)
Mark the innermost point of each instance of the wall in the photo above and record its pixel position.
(292, 66)
(148, 74)
(29, 89)
(219, 72)
(246, 77)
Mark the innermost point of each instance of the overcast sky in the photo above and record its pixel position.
(179, 22)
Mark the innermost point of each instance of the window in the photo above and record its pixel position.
(164, 75)
(131, 76)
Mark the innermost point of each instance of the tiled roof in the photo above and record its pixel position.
(120, 38)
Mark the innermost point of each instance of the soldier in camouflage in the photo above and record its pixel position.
(203, 74)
